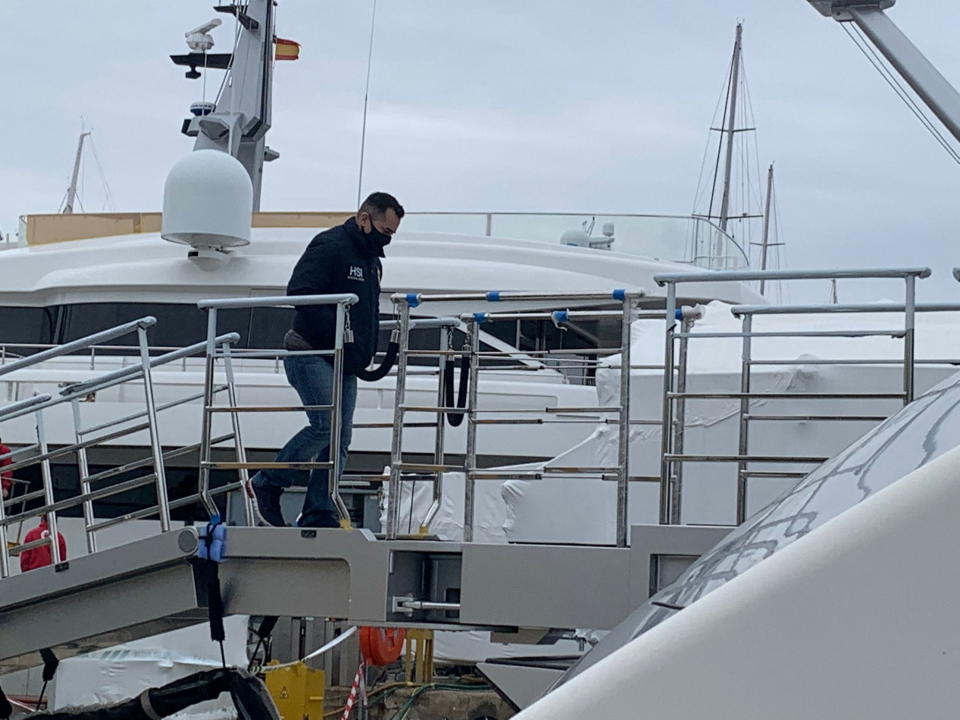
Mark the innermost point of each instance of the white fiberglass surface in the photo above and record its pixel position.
(920, 432)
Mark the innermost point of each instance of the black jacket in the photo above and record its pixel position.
(340, 260)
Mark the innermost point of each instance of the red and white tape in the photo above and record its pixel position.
(355, 689)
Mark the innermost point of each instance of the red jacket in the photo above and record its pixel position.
(41, 556)
(5, 476)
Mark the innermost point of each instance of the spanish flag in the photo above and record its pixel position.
(286, 49)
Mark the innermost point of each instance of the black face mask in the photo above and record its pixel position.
(381, 239)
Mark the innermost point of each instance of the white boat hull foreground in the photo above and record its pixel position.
(855, 620)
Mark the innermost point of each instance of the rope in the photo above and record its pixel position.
(319, 651)
(868, 52)
(108, 200)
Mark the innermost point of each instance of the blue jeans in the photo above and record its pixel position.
(312, 377)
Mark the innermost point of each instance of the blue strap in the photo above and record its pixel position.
(480, 317)
(413, 299)
(620, 294)
(560, 316)
(214, 537)
(493, 296)
(678, 313)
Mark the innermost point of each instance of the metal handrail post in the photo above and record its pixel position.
(4, 551)
(153, 430)
(48, 496)
(336, 415)
(679, 422)
(470, 456)
(623, 435)
(206, 427)
(667, 409)
(402, 310)
(83, 470)
(909, 338)
(744, 422)
(444, 366)
(240, 452)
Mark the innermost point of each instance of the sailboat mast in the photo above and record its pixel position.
(731, 127)
(72, 190)
(765, 244)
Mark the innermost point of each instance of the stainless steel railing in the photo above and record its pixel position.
(342, 304)
(92, 487)
(399, 469)
(675, 394)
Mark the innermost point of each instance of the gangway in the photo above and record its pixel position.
(158, 583)
(154, 584)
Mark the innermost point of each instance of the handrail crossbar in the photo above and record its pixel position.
(79, 344)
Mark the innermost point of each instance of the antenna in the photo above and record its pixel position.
(366, 97)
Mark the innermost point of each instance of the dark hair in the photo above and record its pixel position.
(379, 202)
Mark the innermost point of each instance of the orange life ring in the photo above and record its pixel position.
(381, 645)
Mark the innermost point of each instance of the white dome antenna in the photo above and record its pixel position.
(207, 202)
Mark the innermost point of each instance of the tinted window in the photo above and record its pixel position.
(177, 324)
(27, 325)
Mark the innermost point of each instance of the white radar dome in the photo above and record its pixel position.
(207, 202)
(575, 237)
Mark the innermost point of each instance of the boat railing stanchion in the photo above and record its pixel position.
(470, 455)
(333, 474)
(680, 412)
(623, 431)
(46, 476)
(153, 430)
(909, 337)
(402, 310)
(444, 366)
(239, 450)
(206, 428)
(4, 547)
(666, 433)
(83, 470)
(743, 417)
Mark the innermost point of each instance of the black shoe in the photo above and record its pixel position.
(320, 520)
(268, 502)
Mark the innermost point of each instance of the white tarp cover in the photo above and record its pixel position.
(108, 676)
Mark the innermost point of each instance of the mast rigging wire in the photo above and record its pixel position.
(366, 98)
(868, 52)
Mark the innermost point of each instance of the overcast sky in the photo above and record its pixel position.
(535, 105)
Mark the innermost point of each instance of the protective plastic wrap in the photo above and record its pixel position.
(109, 676)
